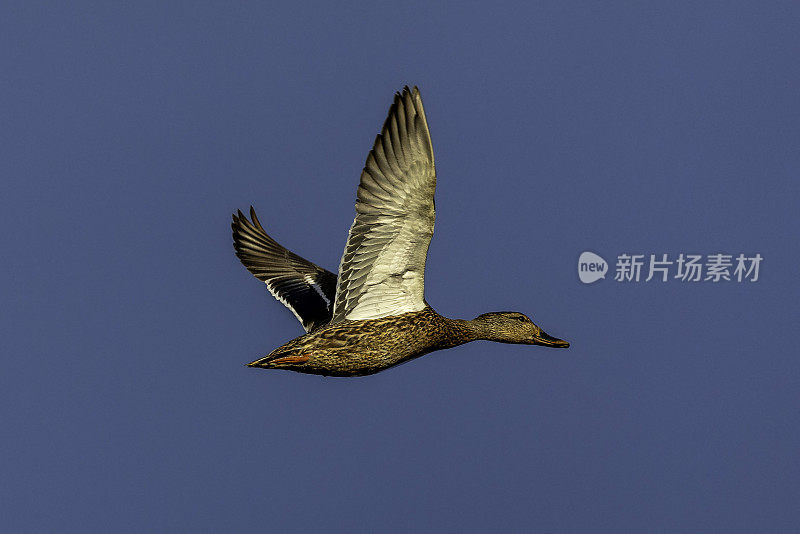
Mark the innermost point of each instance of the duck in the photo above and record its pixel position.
(373, 315)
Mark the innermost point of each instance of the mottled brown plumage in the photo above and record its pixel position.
(355, 348)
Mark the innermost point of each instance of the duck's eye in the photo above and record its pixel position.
(521, 319)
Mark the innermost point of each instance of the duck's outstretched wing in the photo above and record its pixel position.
(306, 289)
(383, 266)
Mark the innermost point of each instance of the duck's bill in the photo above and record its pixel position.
(542, 338)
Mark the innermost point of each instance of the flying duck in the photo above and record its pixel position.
(373, 315)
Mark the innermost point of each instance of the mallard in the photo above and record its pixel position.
(374, 314)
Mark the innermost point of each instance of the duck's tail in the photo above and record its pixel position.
(284, 362)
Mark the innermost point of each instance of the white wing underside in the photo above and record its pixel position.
(382, 271)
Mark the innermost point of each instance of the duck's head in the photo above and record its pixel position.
(514, 327)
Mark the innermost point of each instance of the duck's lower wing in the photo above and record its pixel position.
(306, 289)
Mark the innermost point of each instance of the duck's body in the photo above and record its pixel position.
(354, 348)
(373, 315)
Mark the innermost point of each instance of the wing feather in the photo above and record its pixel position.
(305, 288)
(382, 271)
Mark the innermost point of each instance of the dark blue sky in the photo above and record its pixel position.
(129, 135)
